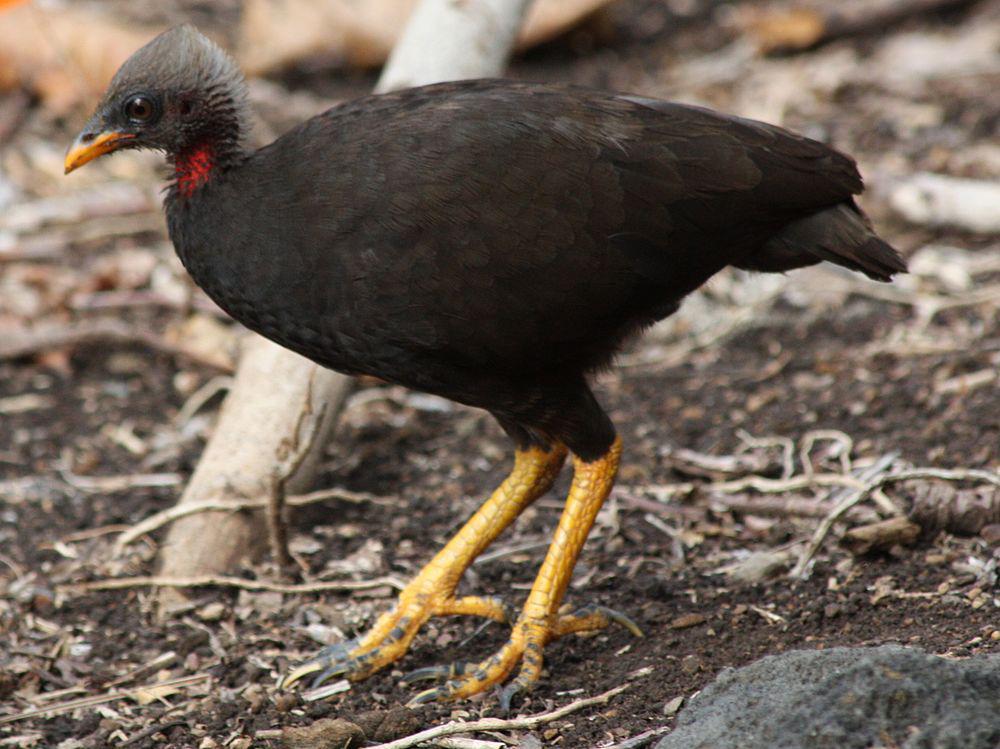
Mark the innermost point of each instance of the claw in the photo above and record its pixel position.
(298, 673)
(508, 692)
(328, 661)
(618, 617)
(428, 695)
(329, 672)
(437, 673)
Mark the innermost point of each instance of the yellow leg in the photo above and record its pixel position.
(431, 592)
(540, 621)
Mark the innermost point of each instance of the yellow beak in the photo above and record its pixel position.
(87, 147)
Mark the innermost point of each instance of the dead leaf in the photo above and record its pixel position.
(788, 29)
(885, 534)
(153, 692)
(43, 50)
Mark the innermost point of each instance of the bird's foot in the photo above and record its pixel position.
(527, 641)
(391, 636)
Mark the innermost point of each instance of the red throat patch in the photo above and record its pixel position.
(192, 169)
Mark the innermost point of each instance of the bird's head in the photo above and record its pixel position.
(181, 93)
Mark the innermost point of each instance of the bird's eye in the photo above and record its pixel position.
(139, 108)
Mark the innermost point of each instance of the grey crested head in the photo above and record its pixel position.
(180, 92)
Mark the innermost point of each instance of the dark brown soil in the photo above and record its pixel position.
(798, 367)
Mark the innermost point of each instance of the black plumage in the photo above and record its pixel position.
(492, 242)
(488, 241)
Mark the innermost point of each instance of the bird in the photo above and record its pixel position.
(491, 242)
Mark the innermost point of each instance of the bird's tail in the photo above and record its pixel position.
(841, 235)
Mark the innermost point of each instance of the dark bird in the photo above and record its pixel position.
(490, 242)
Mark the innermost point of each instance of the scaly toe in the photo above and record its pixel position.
(593, 617)
(487, 607)
(473, 677)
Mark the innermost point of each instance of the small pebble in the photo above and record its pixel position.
(254, 695)
(690, 664)
(285, 702)
(673, 706)
(212, 612)
(687, 620)
(991, 533)
(325, 733)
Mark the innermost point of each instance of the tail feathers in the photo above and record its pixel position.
(841, 235)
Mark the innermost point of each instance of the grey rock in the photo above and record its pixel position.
(847, 698)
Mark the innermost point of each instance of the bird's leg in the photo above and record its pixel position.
(431, 592)
(540, 620)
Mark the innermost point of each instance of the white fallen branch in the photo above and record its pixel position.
(222, 581)
(171, 514)
(940, 200)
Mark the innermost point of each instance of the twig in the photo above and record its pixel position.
(147, 732)
(761, 484)
(642, 739)
(781, 507)
(107, 484)
(161, 661)
(785, 443)
(945, 474)
(844, 447)
(768, 616)
(223, 581)
(714, 467)
(677, 544)
(129, 299)
(500, 724)
(197, 400)
(506, 551)
(660, 508)
(46, 338)
(457, 742)
(100, 699)
(169, 515)
(877, 482)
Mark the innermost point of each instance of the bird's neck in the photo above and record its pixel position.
(194, 167)
(198, 162)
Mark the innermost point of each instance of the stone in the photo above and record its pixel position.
(846, 698)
